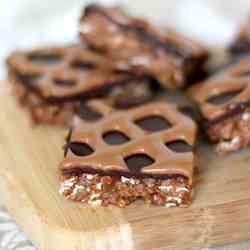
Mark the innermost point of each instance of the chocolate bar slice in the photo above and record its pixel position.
(241, 44)
(224, 102)
(137, 45)
(121, 156)
(51, 81)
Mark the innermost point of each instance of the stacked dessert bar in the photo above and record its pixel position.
(145, 152)
(140, 46)
(224, 102)
(52, 81)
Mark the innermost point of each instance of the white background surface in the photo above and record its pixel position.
(29, 23)
(25, 23)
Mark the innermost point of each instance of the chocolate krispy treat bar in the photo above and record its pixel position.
(224, 102)
(121, 156)
(51, 81)
(241, 44)
(137, 45)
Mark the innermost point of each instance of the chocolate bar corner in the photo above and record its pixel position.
(224, 102)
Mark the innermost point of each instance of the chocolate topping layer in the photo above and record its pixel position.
(230, 88)
(224, 102)
(234, 110)
(52, 81)
(143, 153)
(60, 80)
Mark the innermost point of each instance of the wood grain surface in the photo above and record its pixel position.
(29, 183)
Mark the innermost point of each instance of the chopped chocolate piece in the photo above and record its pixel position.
(52, 81)
(224, 102)
(139, 46)
(124, 162)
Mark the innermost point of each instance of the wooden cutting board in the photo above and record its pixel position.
(220, 213)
